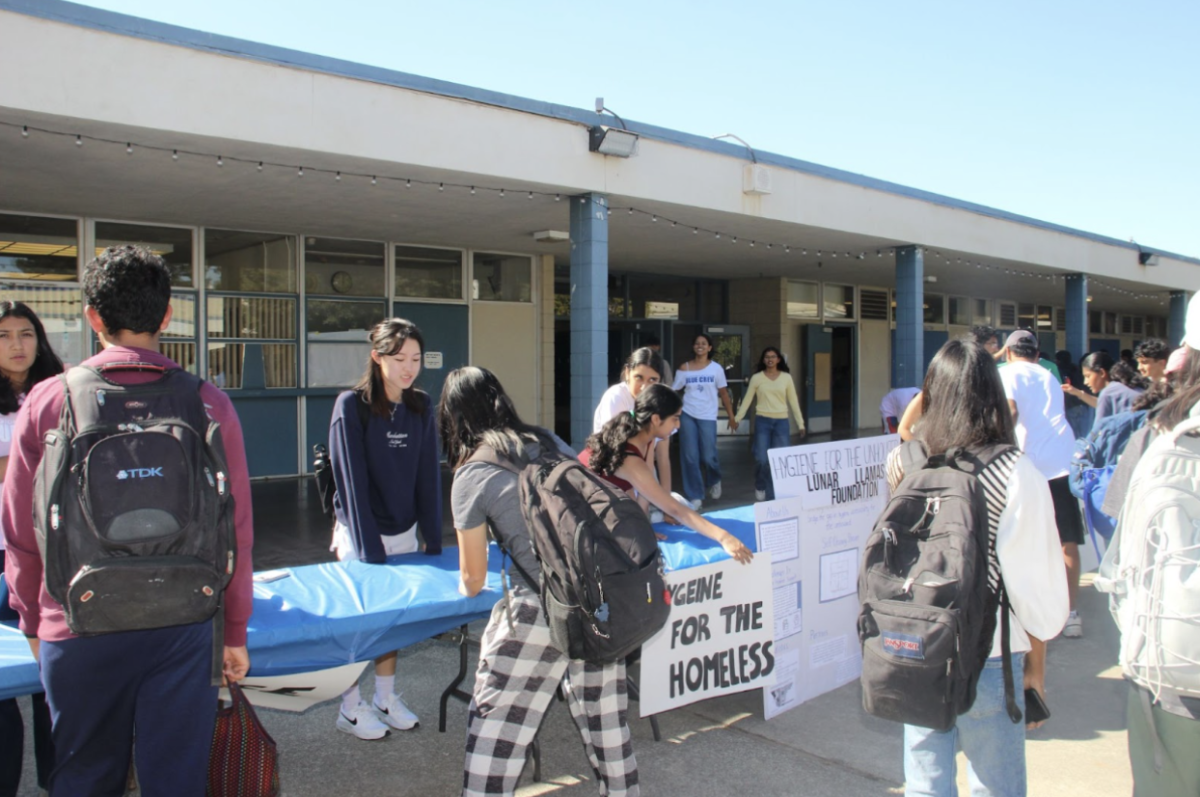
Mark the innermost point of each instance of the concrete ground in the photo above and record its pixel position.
(828, 746)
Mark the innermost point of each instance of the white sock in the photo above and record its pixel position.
(384, 686)
(350, 699)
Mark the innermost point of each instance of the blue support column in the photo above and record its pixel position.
(589, 311)
(1178, 317)
(1077, 316)
(908, 357)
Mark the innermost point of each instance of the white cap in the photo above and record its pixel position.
(1191, 327)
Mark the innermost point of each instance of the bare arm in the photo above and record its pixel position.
(912, 414)
(1012, 407)
(725, 402)
(472, 559)
(3, 468)
(1084, 396)
(637, 473)
(1035, 672)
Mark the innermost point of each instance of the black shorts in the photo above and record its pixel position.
(1066, 511)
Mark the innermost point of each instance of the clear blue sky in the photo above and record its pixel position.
(1081, 113)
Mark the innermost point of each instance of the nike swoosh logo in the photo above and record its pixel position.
(352, 722)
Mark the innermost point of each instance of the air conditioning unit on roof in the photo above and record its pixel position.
(756, 179)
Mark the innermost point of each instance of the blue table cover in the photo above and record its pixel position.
(338, 613)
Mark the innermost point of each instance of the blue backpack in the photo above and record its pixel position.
(1093, 464)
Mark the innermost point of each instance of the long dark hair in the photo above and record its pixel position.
(1187, 393)
(608, 445)
(476, 411)
(1098, 361)
(964, 400)
(387, 337)
(762, 366)
(1127, 375)
(45, 362)
(644, 356)
(711, 348)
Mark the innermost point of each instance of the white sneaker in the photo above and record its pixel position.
(656, 516)
(361, 722)
(696, 504)
(395, 713)
(715, 491)
(760, 495)
(1074, 627)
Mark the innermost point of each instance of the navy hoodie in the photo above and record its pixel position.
(388, 476)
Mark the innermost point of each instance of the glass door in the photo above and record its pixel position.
(731, 348)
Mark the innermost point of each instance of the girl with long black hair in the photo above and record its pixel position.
(703, 383)
(966, 412)
(519, 669)
(619, 451)
(1114, 385)
(25, 359)
(772, 386)
(389, 485)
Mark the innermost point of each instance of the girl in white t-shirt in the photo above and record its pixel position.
(25, 359)
(703, 383)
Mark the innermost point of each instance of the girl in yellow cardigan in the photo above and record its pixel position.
(772, 384)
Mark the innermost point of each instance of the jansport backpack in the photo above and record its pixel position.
(930, 587)
(602, 585)
(131, 503)
(1152, 568)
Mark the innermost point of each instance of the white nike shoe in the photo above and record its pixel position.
(760, 495)
(361, 722)
(395, 713)
(715, 491)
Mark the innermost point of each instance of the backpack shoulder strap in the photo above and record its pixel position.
(912, 456)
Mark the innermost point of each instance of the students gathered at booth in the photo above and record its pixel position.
(703, 383)
(775, 393)
(384, 451)
(25, 359)
(619, 452)
(519, 668)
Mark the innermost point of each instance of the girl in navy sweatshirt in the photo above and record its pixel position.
(388, 479)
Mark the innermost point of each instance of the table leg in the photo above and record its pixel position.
(452, 690)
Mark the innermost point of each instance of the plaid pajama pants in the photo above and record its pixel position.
(519, 671)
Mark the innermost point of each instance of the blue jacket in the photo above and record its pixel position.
(1102, 447)
(388, 476)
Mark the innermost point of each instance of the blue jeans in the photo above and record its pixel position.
(698, 446)
(768, 433)
(993, 744)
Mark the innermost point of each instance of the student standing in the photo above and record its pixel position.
(1114, 386)
(25, 360)
(519, 669)
(772, 385)
(703, 383)
(389, 484)
(618, 454)
(157, 682)
(964, 408)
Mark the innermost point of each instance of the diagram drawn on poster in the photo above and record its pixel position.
(789, 605)
(839, 574)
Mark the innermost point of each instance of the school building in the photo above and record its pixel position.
(300, 199)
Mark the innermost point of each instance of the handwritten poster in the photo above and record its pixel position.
(718, 639)
(829, 496)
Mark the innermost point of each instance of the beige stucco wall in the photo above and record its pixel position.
(504, 340)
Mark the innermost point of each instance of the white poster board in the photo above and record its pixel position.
(829, 497)
(718, 639)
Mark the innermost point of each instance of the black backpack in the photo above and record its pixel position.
(323, 467)
(930, 587)
(602, 586)
(131, 503)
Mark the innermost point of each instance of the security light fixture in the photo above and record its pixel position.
(551, 236)
(1147, 258)
(612, 141)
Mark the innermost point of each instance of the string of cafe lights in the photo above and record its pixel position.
(220, 160)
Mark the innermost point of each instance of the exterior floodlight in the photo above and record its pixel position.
(612, 141)
(551, 236)
(1147, 258)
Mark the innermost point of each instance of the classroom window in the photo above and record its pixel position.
(501, 278)
(338, 267)
(172, 244)
(424, 273)
(38, 248)
(249, 261)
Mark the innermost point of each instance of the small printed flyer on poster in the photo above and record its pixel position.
(718, 639)
(828, 497)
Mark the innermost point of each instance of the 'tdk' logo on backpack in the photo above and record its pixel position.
(140, 473)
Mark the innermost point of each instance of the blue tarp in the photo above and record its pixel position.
(333, 614)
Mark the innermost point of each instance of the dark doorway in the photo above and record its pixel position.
(842, 362)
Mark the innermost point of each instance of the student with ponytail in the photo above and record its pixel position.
(618, 454)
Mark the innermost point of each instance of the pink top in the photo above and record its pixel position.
(41, 615)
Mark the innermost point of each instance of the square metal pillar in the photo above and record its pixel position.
(589, 310)
(1077, 316)
(908, 357)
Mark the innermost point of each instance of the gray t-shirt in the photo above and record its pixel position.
(486, 493)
